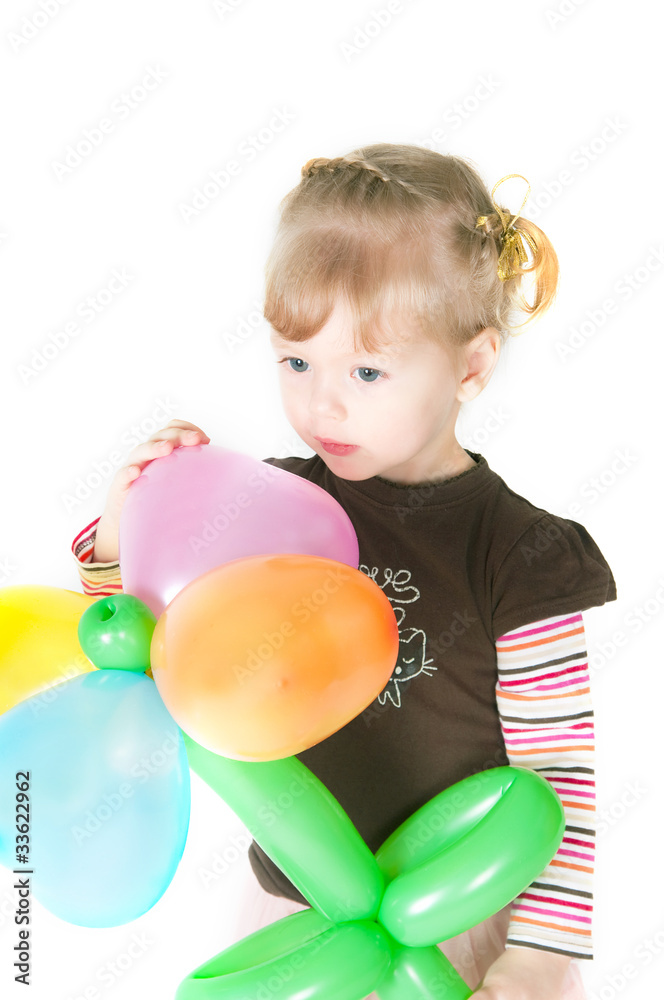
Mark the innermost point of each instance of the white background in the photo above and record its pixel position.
(546, 88)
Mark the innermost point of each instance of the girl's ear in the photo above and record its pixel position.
(478, 360)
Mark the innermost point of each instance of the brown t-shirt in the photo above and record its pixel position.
(462, 562)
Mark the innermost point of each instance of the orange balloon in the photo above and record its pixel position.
(266, 656)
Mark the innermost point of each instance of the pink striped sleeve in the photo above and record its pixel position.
(543, 697)
(98, 579)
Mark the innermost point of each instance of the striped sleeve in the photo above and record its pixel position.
(543, 696)
(98, 579)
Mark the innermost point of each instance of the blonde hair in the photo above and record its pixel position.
(391, 232)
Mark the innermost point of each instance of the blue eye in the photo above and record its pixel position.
(373, 370)
(293, 359)
(375, 373)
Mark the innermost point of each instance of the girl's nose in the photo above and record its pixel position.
(326, 399)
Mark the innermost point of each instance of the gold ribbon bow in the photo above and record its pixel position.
(513, 254)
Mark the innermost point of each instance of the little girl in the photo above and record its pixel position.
(392, 284)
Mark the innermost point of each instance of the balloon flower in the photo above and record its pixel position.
(244, 598)
(374, 920)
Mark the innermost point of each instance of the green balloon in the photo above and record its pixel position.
(302, 955)
(116, 632)
(301, 827)
(422, 974)
(460, 858)
(467, 853)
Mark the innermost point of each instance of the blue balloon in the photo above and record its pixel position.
(109, 796)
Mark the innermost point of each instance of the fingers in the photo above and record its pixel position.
(176, 434)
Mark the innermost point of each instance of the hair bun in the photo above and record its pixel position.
(490, 225)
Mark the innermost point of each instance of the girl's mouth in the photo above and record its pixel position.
(335, 448)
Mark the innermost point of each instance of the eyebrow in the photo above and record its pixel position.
(389, 353)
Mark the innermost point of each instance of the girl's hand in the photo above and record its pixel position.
(176, 434)
(524, 974)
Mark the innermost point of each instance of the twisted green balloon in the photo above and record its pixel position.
(375, 921)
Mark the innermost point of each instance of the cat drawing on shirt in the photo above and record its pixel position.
(411, 660)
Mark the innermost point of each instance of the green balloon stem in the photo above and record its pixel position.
(301, 827)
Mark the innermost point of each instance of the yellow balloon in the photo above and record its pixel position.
(39, 645)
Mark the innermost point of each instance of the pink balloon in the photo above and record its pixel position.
(203, 505)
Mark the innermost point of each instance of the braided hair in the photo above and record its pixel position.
(391, 231)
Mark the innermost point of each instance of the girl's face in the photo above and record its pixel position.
(398, 408)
